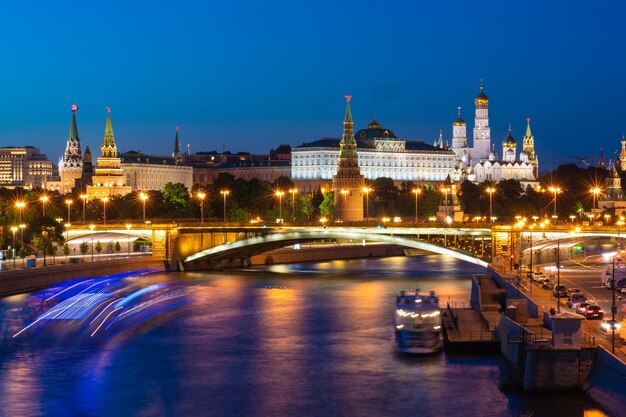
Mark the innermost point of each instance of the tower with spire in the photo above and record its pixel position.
(622, 155)
(348, 181)
(482, 131)
(108, 179)
(459, 139)
(529, 148)
(613, 199)
(509, 147)
(176, 154)
(71, 165)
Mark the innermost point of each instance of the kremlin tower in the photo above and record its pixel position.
(71, 165)
(108, 179)
(482, 131)
(348, 181)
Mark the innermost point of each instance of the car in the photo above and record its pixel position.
(559, 291)
(547, 284)
(575, 299)
(607, 325)
(594, 312)
(538, 276)
(571, 291)
(582, 307)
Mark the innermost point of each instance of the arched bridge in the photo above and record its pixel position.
(242, 250)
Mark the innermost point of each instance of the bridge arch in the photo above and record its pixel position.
(256, 245)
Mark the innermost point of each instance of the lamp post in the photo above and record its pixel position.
(84, 197)
(558, 275)
(68, 202)
(67, 233)
(613, 306)
(105, 200)
(225, 193)
(201, 197)
(22, 226)
(293, 192)
(128, 226)
(14, 229)
(143, 197)
(490, 191)
(280, 195)
(417, 192)
(555, 191)
(92, 226)
(367, 190)
(44, 200)
(20, 205)
(596, 192)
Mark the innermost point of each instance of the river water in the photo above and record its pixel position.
(306, 340)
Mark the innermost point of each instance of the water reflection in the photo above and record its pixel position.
(311, 339)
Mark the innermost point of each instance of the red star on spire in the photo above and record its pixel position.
(348, 97)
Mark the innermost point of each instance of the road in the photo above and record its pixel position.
(586, 277)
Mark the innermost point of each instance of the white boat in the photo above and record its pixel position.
(417, 323)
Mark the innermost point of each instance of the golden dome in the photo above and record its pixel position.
(481, 98)
(459, 122)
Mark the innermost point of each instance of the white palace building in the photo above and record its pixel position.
(382, 154)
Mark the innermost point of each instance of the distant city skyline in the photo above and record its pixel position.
(283, 78)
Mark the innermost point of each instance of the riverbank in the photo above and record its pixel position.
(32, 279)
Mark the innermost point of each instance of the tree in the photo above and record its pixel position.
(84, 248)
(328, 205)
(23, 252)
(46, 239)
(118, 247)
(66, 249)
(176, 196)
(98, 247)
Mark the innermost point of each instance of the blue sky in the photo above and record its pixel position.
(249, 75)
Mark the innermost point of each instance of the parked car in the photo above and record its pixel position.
(571, 291)
(547, 284)
(575, 299)
(559, 291)
(594, 312)
(582, 308)
(538, 276)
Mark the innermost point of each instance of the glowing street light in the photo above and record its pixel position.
(367, 190)
(143, 197)
(84, 197)
(417, 192)
(20, 205)
(490, 191)
(201, 196)
(554, 190)
(44, 200)
(225, 193)
(595, 191)
(68, 202)
(280, 195)
(104, 200)
(14, 229)
(293, 192)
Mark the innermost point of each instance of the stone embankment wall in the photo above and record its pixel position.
(607, 382)
(326, 253)
(32, 279)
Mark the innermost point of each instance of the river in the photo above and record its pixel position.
(306, 340)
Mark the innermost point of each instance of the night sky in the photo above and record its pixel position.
(249, 75)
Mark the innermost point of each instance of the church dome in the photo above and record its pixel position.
(523, 156)
(509, 142)
(459, 122)
(493, 156)
(481, 99)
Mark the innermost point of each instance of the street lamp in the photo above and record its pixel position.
(225, 193)
(69, 204)
(417, 192)
(22, 226)
(67, 233)
(92, 226)
(367, 190)
(84, 197)
(490, 191)
(293, 192)
(105, 200)
(20, 205)
(143, 197)
(555, 191)
(201, 197)
(596, 192)
(128, 226)
(44, 200)
(14, 229)
(280, 195)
